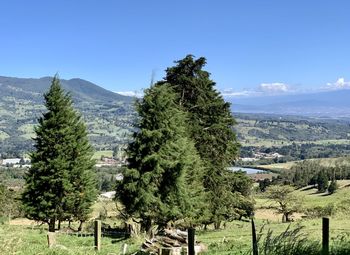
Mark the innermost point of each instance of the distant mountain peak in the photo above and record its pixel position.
(79, 88)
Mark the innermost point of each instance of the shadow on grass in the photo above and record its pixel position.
(307, 188)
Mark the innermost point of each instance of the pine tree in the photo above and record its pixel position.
(60, 184)
(210, 124)
(162, 181)
(322, 181)
(333, 186)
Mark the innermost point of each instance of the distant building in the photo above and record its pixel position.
(10, 161)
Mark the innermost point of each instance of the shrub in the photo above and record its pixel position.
(320, 211)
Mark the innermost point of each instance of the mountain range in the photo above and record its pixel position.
(108, 115)
(327, 104)
(33, 89)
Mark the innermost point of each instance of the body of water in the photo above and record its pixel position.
(247, 169)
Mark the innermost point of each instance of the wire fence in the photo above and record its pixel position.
(112, 239)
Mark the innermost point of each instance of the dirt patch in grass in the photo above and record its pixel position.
(23, 222)
(271, 215)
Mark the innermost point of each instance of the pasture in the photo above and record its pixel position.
(24, 237)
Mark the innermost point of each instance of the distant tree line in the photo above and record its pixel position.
(308, 172)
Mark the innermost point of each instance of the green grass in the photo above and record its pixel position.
(97, 155)
(327, 162)
(234, 239)
(27, 241)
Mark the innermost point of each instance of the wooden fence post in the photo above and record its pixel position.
(97, 235)
(191, 241)
(51, 239)
(124, 248)
(325, 236)
(254, 240)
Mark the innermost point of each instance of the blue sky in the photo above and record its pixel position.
(268, 46)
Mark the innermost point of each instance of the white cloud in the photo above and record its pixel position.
(339, 84)
(138, 94)
(275, 87)
(244, 93)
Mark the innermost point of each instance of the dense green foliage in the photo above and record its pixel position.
(181, 152)
(309, 172)
(322, 181)
(60, 184)
(161, 183)
(9, 204)
(333, 186)
(210, 125)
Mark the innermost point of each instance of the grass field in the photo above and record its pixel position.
(235, 238)
(327, 162)
(99, 154)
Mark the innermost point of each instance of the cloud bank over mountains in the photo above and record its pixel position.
(339, 84)
(135, 93)
(280, 88)
(265, 89)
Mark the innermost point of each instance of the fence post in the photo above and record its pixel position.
(97, 234)
(124, 248)
(191, 236)
(51, 239)
(325, 236)
(255, 242)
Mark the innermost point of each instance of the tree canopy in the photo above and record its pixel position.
(210, 125)
(287, 202)
(181, 152)
(60, 184)
(162, 180)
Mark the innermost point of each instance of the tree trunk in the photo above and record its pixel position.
(80, 226)
(287, 217)
(146, 225)
(217, 224)
(52, 223)
(59, 225)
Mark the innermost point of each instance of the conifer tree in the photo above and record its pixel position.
(60, 184)
(333, 186)
(322, 181)
(162, 182)
(210, 125)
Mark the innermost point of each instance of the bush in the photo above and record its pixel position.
(320, 211)
(332, 187)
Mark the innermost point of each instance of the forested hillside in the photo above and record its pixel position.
(107, 114)
(293, 137)
(110, 118)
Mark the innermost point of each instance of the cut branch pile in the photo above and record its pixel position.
(167, 242)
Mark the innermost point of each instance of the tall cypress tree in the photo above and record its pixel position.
(60, 184)
(210, 125)
(162, 180)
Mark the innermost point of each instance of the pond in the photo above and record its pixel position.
(246, 169)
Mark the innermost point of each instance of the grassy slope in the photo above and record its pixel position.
(235, 238)
(323, 161)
